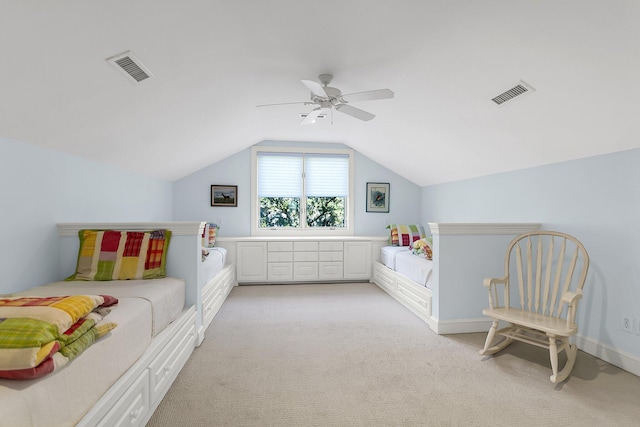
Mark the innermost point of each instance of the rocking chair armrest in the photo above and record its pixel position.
(492, 281)
(571, 297)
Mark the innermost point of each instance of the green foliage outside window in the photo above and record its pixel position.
(285, 212)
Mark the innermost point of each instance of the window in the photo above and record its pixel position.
(301, 191)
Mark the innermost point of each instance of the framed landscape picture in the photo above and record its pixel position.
(224, 195)
(378, 197)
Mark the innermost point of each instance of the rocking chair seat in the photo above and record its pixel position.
(549, 325)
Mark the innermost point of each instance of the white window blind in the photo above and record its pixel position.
(279, 175)
(326, 175)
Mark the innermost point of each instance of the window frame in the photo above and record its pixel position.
(348, 230)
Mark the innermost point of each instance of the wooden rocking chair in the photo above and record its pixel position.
(541, 310)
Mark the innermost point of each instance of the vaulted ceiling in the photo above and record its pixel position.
(214, 61)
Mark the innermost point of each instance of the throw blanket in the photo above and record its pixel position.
(41, 334)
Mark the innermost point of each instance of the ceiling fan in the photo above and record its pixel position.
(328, 98)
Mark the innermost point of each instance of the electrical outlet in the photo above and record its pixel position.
(638, 326)
(628, 323)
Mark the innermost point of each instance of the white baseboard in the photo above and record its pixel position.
(619, 358)
(460, 326)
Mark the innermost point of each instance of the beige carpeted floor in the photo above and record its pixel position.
(350, 355)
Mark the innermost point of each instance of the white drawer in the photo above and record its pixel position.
(279, 246)
(280, 271)
(330, 246)
(168, 363)
(305, 271)
(131, 409)
(330, 256)
(280, 256)
(330, 270)
(305, 256)
(305, 246)
(383, 277)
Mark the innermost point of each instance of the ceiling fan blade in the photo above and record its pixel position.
(355, 112)
(312, 116)
(285, 103)
(315, 88)
(368, 95)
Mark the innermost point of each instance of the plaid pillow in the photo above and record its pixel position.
(122, 255)
(405, 235)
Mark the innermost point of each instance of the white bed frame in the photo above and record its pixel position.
(132, 400)
(463, 255)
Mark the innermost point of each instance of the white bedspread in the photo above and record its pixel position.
(213, 264)
(388, 255)
(165, 295)
(64, 397)
(415, 268)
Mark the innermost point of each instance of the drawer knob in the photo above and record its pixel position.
(134, 414)
(167, 368)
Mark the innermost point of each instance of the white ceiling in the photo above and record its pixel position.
(214, 61)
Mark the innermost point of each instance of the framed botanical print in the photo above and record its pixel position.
(378, 197)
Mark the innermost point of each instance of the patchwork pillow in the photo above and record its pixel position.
(405, 235)
(422, 248)
(122, 255)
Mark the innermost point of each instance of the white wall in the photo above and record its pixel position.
(192, 200)
(41, 187)
(595, 199)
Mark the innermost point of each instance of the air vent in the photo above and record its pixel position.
(130, 66)
(516, 91)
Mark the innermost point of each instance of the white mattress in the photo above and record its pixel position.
(414, 267)
(64, 397)
(166, 295)
(388, 255)
(213, 264)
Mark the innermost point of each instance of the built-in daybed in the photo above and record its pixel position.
(446, 292)
(122, 377)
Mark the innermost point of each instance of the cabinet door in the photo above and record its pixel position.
(357, 260)
(251, 258)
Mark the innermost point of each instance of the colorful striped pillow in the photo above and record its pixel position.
(122, 255)
(405, 235)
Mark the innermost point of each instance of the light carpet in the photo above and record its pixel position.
(350, 355)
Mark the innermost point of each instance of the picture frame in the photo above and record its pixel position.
(378, 197)
(224, 195)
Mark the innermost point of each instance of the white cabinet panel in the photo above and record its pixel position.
(280, 256)
(330, 270)
(305, 246)
(252, 261)
(330, 256)
(305, 256)
(305, 271)
(330, 246)
(280, 246)
(280, 271)
(357, 260)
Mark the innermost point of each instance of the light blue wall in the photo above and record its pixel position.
(41, 187)
(596, 199)
(192, 200)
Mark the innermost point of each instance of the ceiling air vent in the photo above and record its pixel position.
(518, 90)
(130, 66)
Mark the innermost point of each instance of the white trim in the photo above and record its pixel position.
(442, 228)
(349, 230)
(178, 228)
(460, 326)
(619, 358)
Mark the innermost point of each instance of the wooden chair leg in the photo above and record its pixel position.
(553, 355)
(488, 349)
(572, 352)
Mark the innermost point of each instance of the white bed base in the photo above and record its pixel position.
(132, 400)
(413, 296)
(463, 255)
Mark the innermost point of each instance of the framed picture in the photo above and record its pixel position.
(378, 197)
(224, 195)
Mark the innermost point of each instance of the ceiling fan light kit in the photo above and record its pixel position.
(328, 98)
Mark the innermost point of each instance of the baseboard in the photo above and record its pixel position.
(619, 358)
(460, 326)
